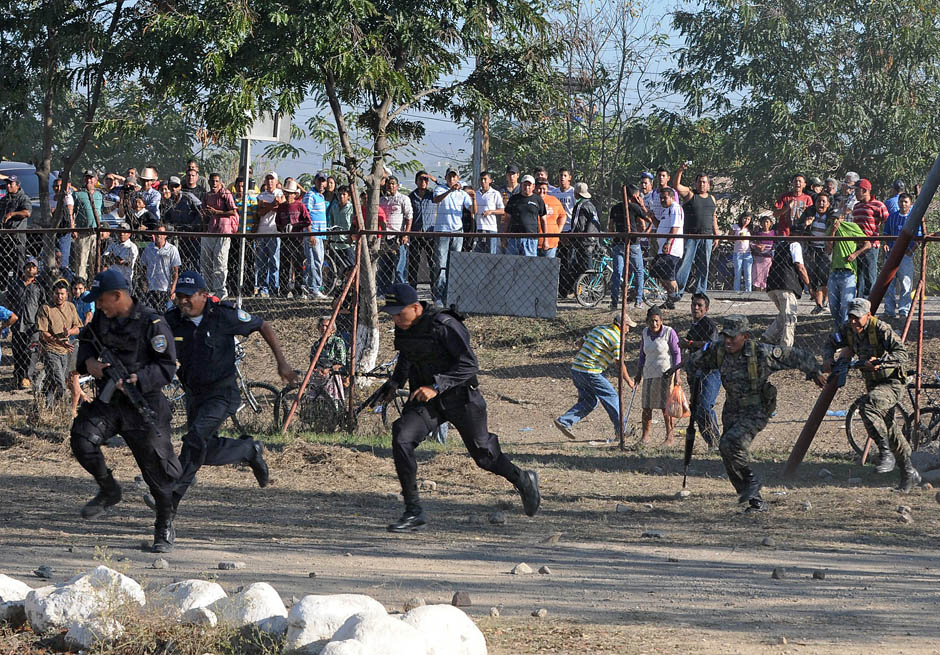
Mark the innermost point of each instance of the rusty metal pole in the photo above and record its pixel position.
(808, 433)
(624, 283)
(355, 329)
(915, 434)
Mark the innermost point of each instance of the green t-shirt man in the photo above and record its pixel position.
(842, 249)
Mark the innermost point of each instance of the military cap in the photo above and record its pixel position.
(734, 324)
(859, 307)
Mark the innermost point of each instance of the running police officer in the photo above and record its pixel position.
(140, 338)
(436, 361)
(204, 330)
(750, 399)
(884, 355)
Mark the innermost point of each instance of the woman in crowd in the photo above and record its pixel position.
(659, 355)
(743, 260)
(762, 250)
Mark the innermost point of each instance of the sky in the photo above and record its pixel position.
(446, 143)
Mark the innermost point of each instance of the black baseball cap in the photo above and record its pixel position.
(189, 283)
(399, 297)
(109, 280)
(512, 168)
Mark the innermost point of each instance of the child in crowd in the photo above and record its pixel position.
(659, 355)
(743, 260)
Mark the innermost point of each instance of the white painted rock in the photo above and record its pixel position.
(82, 636)
(257, 604)
(180, 597)
(12, 589)
(448, 629)
(200, 616)
(377, 635)
(87, 596)
(313, 621)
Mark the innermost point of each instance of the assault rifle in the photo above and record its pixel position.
(840, 369)
(116, 372)
(387, 387)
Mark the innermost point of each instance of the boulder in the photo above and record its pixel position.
(256, 604)
(180, 597)
(447, 629)
(99, 593)
(313, 621)
(200, 616)
(84, 635)
(377, 634)
(12, 589)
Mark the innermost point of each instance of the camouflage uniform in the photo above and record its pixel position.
(749, 398)
(884, 386)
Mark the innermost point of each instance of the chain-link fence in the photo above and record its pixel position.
(527, 314)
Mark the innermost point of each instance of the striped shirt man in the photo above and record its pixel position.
(601, 349)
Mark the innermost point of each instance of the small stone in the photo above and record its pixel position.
(806, 506)
(648, 506)
(672, 559)
(770, 542)
(853, 482)
(461, 599)
(312, 574)
(905, 518)
(544, 570)
(782, 641)
(44, 572)
(652, 534)
(540, 613)
(825, 473)
(160, 563)
(779, 573)
(684, 493)
(427, 485)
(904, 509)
(498, 518)
(626, 509)
(819, 574)
(494, 612)
(521, 569)
(231, 565)
(414, 602)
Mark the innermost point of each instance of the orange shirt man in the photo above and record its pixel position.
(552, 222)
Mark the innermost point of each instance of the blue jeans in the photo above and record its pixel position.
(442, 249)
(899, 293)
(742, 264)
(705, 415)
(867, 272)
(486, 244)
(267, 263)
(401, 270)
(841, 288)
(548, 252)
(636, 267)
(522, 246)
(697, 255)
(313, 270)
(592, 388)
(65, 247)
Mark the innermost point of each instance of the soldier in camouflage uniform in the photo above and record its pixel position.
(750, 399)
(874, 341)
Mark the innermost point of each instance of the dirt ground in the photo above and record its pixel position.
(634, 567)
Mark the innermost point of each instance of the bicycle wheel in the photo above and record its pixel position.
(318, 413)
(258, 412)
(653, 292)
(391, 411)
(927, 430)
(855, 430)
(329, 275)
(590, 288)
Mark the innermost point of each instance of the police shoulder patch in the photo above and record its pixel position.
(778, 352)
(158, 343)
(243, 316)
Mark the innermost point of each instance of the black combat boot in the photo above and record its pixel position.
(412, 519)
(886, 461)
(528, 487)
(751, 488)
(910, 478)
(108, 495)
(756, 504)
(164, 534)
(259, 467)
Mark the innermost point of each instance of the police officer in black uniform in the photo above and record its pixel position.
(204, 330)
(142, 341)
(436, 361)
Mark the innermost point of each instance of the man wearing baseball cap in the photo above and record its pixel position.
(524, 213)
(141, 340)
(440, 368)
(750, 399)
(15, 208)
(869, 214)
(884, 357)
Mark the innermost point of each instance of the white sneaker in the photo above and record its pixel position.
(320, 296)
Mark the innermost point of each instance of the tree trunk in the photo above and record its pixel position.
(44, 168)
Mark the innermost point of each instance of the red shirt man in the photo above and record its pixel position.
(869, 213)
(791, 205)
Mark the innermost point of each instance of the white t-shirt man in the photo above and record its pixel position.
(449, 210)
(651, 200)
(159, 264)
(266, 223)
(672, 216)
(566, 198)
(487, 200)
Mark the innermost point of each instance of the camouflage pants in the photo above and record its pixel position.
(878, 414)
(741, 426)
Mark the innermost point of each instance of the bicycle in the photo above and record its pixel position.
(593, 285)
(259, 401)
(322, 406)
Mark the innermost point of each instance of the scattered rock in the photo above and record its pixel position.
(180, 597)
(652, 534)
(12, 589)
(312, 574)
(782, 641)
(672, 559)
(312, 622)
(540, 613)
(83, 635)
(825, 473)
(552, 539)
(160, 563)
(231, 565)
(494, 612)
(200, 616)
(648, 506)
(626, 509)
(819, 574)
(256, 604)
(427, 485)
(905, 518)
(364, 634)
(904, 509)
(521, 569)
(770, 542)
(461, 599)
(414, 602)
(806, 506)
(448, 630)
(684, 493)
(779, 573)
(544, 570)
(853, 482)
(44, 572)
(498, 518)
